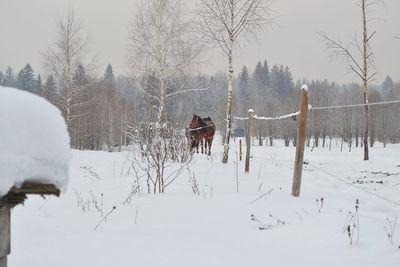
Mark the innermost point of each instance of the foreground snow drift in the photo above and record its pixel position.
(262, 225)
(34, 143)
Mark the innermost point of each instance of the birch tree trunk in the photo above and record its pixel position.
(222, 22)
(365, 79)
(62, 60)
(229, 105)
(362, 66)
(161, 108)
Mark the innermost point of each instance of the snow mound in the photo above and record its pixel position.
(34, 142)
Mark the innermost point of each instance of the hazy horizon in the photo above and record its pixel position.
(28, 29)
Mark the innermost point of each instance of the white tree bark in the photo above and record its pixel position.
(62, 61)
(365, 78)
(163, 46)
(361, 67)
(222, 22)
(228, 116)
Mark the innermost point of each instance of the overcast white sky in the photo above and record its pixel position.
(27, 28)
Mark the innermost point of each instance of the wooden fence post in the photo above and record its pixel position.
(5, 220)
(300, 143)
(248, 139)
(240, 150)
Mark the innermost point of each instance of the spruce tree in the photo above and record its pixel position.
(266, 75)
(79, 78)
(109, 87)
(260, 80)
(244, 90)
(20, 80)
(388, 88)
(274, 80)
(287, 81)
(28, 79)
(1, 78)
(109, 78)
(9, 78)
(39, 86)
(258, 76)
(50, 90)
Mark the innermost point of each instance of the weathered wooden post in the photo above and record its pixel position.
(15, 197)
(240, 150)
(5, 218)
(300, 142)
(248, 139)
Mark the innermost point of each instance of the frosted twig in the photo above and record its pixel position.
(259, 188)
(348, 218)
(44, 203)
(105, 218)
(390, 229)
(254, 218)
(278, 220)
(136, 214)
(263, 195)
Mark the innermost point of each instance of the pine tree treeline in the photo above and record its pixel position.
(107, 109)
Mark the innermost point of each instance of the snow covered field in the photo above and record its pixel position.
(215, 228)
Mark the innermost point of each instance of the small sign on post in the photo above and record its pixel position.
(248, 139)
(300, 142)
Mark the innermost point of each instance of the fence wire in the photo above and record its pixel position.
(311, 108)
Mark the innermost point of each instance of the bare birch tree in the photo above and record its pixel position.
(163, 48)
(162, 45)
(360, 59)
(62, 61)
(222, 22)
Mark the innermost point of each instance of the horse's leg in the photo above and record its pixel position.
(209, 145)
(202, 148)
(197, 146)
(205, 145)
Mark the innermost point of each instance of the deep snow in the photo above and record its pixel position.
(34, 142)
(215, 228)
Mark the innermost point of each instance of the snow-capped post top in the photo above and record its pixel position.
(304, 87)
(34, 141)
(251, 110)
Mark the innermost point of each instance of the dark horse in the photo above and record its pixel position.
(201, 130)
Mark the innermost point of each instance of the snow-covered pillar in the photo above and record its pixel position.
(34, 157)
(5, 218)
(300, 142)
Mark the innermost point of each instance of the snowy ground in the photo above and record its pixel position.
(215, 228)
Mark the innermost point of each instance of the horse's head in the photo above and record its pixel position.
(196, 122)
(201, 121)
